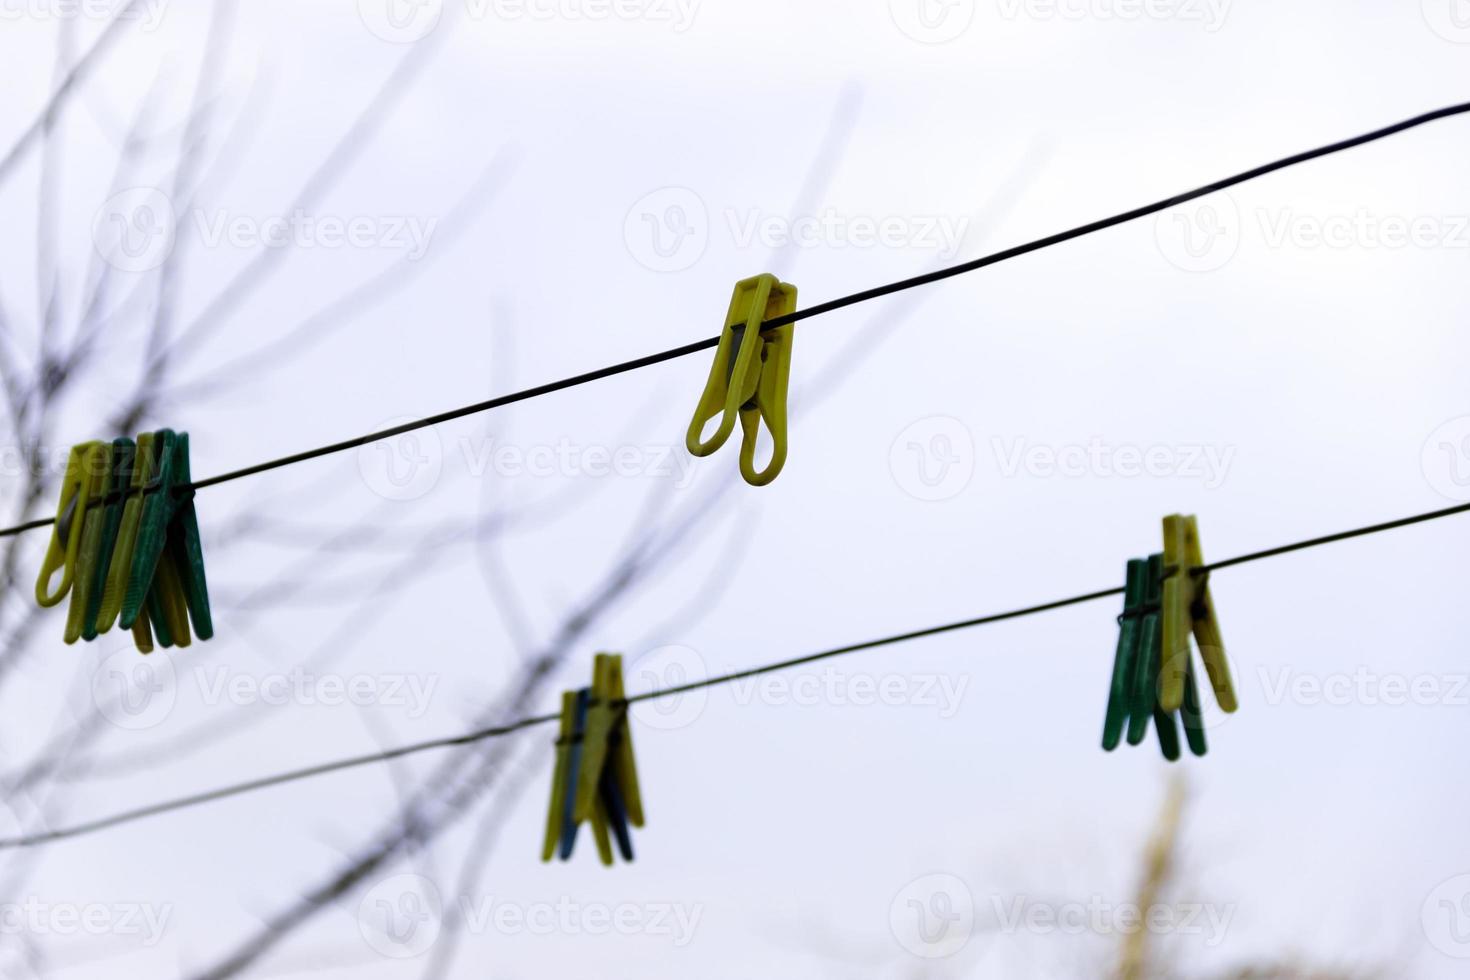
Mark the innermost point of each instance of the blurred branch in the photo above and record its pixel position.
(359, 134)
(1158, 867)
(63, 92)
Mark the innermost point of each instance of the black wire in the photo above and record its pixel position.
(238, 789)
(811, 311)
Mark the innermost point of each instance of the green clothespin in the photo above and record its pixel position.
(127, 537)
(1125, 659)
(167, 569)
(1153, 647)
(123, 452)
(186, 547)
(1134, 696)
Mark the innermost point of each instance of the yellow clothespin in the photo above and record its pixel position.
(96, 474)
(66, 535)
(116, 586)
(556, 814)
(1188, 608)
(609, 743)
(749, 377)
(596, 779)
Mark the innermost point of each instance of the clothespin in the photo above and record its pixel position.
(96, 464)
(1133, 697)
(1188, 608)
(166, 571)
(595, 780)
(749, 377)
(66, 534)
(119, 572)
(120, 472)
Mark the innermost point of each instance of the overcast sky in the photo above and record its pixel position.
(572, 184)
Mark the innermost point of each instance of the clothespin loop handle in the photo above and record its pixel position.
(66, 535)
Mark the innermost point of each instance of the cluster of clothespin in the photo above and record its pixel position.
(596, 779)
(1166, 598)
(749, 377)
(126, 542)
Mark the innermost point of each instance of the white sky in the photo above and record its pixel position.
(1291, 387)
